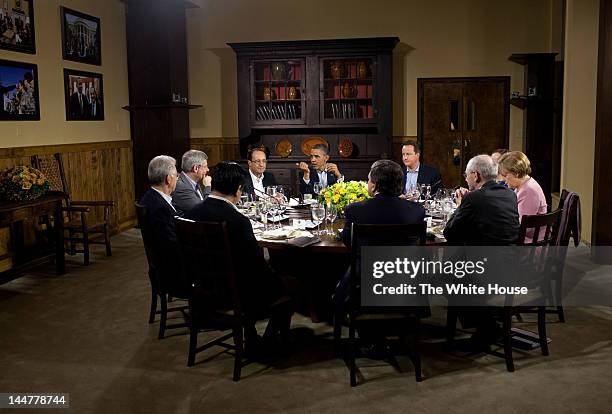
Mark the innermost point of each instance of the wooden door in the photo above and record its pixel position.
(460, 118)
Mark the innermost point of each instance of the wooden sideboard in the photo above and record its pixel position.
(13, 215)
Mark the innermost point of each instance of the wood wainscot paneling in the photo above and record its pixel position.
(217, 148)
(94, 171)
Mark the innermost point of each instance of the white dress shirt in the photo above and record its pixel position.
(257, 183)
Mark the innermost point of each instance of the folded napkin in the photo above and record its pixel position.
(284, 233)
(275, 219)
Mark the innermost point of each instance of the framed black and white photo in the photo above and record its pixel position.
(19, 91)
(17, 26)
(84, 96)
(81, 37)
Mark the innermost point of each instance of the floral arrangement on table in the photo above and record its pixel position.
(342, 194)
(22, 183)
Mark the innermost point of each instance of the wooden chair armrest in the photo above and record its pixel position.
(93, 203)
(73, 209)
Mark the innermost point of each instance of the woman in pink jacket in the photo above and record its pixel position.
(514, 168)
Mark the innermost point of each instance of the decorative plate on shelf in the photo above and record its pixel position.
(345, 148)
(308, 143)
(283, 148)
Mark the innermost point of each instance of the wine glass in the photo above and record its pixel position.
(318, 215)
(331, 215)
(316, 188)
(262, 213)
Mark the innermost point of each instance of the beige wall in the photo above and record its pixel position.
(53, 127)
(439, 38)
(579, 103)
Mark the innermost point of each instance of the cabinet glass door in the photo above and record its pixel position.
(348, 91)
(278, 92)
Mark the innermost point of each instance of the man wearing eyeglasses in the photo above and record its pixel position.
(257, 178)
(188, 193)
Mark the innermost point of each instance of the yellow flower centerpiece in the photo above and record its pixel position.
(22, 183)
(342, 194)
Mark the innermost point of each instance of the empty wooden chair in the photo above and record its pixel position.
(81, 222)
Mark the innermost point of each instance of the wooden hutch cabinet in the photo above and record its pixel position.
(295, 93)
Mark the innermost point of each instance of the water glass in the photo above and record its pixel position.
(318, 215)
(316, 188)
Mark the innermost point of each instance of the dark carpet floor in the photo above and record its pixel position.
(86, 334)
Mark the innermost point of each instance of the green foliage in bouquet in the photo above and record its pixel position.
(342, 194)
(22, 183)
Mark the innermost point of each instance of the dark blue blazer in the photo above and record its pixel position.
(381, 209)
(427, 175)
(314, 178)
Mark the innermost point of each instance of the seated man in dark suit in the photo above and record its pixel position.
(322, 172)
(416, 173)
(160, 215)
(385, 207)
(487, 212)
(257, 178)
(188, 193)
(260, 289)
(487, 216)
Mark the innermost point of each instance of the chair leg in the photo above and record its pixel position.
(239, 343)
(193, 341)
(507, 327)
(416, 352)
(451, 325)
(86, 248)
(561, 314)
(72, 250)
(107, 241)
(153, 308)
(351, 354)
(163, 316)
(337, 334)
(542, 330)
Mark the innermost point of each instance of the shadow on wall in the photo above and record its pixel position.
(229, 92)
(399, 87)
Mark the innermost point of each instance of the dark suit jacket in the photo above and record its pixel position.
(427, 175)
(160, 216)
(184, 197)
(268, 179)
(258, 285)
(77, 108)
(488, 216)
(314, 178)
(381, 210)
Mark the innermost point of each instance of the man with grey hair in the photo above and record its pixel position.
(487, 216)
(188, 193)
(487, 212)
(320, 171)
(158, 200)
(160, 220)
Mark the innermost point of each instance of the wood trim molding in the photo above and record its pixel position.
(215, 141)
(400, 139)
(20, 152)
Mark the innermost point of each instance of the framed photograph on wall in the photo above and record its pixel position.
(17, 26)
(80, 37)
(83, 96)
(19, 91)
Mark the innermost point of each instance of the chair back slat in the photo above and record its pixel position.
(570, 221)
(147, 238)
(51, 166)
(208, 262)
(542, 226)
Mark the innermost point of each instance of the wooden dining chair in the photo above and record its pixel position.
(215, 301)
(535, 231)
(81, 220)
(158, 289)
(406, 321)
